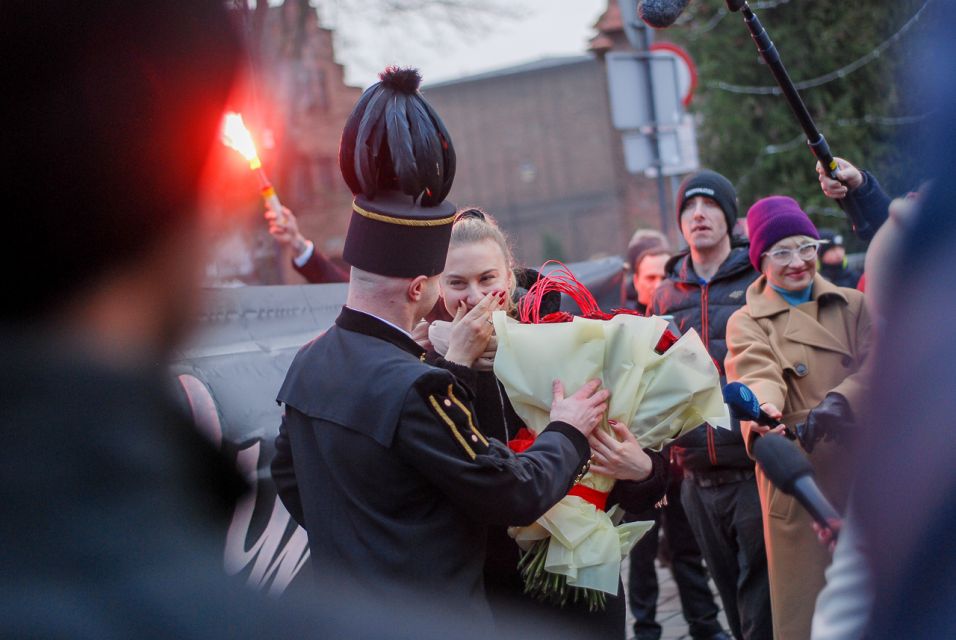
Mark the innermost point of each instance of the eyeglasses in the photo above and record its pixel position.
(805, 252)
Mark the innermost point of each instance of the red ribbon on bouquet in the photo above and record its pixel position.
(525, 438)
(595, 497)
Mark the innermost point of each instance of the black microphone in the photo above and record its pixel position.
(743, 405)
(790, 471)
(660, 14)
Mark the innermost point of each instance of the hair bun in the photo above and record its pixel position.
(472, 213)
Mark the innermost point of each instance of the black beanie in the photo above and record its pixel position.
(712, 185)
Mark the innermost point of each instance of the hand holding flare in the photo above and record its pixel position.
(236, 136)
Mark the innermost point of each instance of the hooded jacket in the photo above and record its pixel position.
(706, 307)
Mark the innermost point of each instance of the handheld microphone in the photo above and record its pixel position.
(660, 14)
(790, 471)
(743, 405)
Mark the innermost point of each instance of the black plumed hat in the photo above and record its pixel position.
(398, 159)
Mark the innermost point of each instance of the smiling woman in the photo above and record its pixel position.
(799, 343)
(791, 263)
(479, 262)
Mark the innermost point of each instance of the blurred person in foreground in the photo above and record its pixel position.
(903, 504)
(704, 286)
(114, 508)
(379, 456)
(800, 344)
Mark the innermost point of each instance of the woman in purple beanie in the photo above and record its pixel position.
(799, 343)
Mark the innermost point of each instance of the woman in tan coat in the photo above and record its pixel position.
(799, 344)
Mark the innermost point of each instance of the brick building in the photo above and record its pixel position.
(296, 100)
(536, 149)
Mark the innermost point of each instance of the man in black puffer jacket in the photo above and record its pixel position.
(704, 286)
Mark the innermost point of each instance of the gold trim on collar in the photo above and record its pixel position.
(405, 222)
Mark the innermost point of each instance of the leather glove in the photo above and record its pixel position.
(832, 419)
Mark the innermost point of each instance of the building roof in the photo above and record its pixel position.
(527, 67)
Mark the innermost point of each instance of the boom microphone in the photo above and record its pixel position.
(743, 405)
(660, 14)
(789, 470)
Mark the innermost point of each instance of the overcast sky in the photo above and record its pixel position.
(544, 28)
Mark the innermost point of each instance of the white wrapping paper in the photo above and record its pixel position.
(659, 397)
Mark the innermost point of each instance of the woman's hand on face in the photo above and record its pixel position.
(472, 330)
(619, 456)
(774, 413)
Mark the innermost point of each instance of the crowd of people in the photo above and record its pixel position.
(393, 452)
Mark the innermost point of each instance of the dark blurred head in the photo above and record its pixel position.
(109, 111)
(833, 251)
(642, 241)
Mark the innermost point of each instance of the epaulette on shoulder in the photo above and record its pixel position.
(450, 406)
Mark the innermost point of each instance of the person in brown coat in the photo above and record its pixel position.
(799, 343)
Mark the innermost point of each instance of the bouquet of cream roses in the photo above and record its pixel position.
(661, 387)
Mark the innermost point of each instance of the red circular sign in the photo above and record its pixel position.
(687, 70)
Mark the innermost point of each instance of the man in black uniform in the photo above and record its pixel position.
(378, 455)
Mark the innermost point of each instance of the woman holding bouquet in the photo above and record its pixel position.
(799, 344)
(478, 279)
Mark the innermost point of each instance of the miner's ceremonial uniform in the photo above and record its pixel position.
(380, 459)
(379, 455)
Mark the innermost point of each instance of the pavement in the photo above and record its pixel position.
(668, 607)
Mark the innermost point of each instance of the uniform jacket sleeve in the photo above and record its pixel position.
(639, 496)
(751, 360)
(320, 270)
(283, 474)
(438, 436)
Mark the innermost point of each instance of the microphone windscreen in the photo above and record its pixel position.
(660, 14)
(741, 401)
(782, 461)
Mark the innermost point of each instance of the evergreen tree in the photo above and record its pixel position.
(754, 139)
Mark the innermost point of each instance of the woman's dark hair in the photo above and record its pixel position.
(473, 213)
